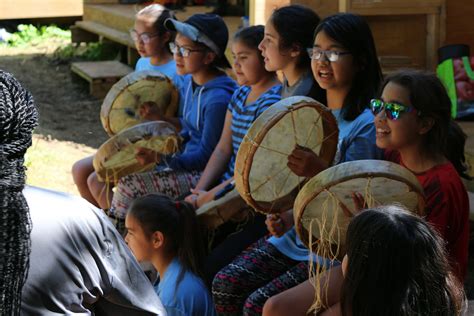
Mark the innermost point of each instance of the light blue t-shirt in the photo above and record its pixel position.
(356, 142)
(189, 297)
(168, 69)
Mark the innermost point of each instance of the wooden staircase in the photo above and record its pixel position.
(109, 20)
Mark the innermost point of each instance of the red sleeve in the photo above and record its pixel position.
(447, 208)
(392, 156)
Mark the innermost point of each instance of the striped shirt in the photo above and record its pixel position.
(243, 115)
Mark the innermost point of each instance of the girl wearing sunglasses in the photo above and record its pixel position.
(414, 126)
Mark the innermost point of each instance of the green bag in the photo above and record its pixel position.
(455, 71)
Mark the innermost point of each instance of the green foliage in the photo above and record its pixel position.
(28, 34)
(89, 51)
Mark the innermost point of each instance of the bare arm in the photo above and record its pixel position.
(298, 300)
(217, 164)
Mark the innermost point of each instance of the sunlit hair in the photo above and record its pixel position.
(397, 265)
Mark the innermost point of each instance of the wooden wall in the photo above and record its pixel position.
(25, 9)
(401, 28)
(260, 10)
(460, 22)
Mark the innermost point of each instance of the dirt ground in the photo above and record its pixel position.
(69, 128)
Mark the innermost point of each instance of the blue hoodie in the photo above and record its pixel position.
(204, 110)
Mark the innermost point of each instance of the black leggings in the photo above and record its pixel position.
(229, 243)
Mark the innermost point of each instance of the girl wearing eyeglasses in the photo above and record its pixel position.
(345, 65)
(205, 91)
(152, 40)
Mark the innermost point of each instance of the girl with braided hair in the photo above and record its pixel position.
(18, 118)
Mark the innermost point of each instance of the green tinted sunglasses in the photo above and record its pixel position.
(392, 110)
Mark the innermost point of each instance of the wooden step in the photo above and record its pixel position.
(113, 22)
(101, 75)
(117, 16)
(107, 32)
(121, 17)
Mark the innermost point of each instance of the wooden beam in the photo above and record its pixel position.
(26, 9)
(261, 10)
(432, 40)
(107, 32)
(117, 16)
(102, 1)
(459, 25)
(367, 11)
(344, 5)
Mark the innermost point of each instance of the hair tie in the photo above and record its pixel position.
(178, 205)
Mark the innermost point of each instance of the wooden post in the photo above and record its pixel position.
(344, 5)
(432, 40)
(260, 10)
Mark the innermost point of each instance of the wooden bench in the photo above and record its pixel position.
(101, 75)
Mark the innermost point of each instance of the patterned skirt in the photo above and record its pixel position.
(168, 182)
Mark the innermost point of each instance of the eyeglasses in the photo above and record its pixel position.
(144, 37)
(331, 55)
(182, 51)
(392, 110)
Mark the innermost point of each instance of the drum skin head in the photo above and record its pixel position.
(121, 106)
(261, 174)
(116, 157)
(317, 206)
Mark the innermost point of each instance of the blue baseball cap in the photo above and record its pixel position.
(208, 29)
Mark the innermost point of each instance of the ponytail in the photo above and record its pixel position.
(190, 250)
(177, 221)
